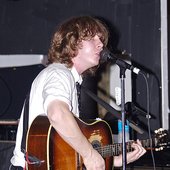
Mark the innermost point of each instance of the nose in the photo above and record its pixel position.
(99, 43)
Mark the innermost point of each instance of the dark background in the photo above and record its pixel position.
(26, 27)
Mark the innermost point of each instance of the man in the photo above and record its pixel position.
(75, 50)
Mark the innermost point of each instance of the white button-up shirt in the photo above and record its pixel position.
(54, 82)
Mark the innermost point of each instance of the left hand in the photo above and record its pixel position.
(131, 156)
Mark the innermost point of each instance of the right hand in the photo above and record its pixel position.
(94, 161)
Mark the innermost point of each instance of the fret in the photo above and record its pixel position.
(155, 141)
(117, 145)
(148, 143)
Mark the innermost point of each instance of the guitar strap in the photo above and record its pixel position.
(29, 159)
(78, 86)
(25, 123)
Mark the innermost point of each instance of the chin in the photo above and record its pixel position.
(97, 63)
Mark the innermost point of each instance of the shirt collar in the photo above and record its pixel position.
(77, 77)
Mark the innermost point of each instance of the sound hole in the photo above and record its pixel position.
(96, 144)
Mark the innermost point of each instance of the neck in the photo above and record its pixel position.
(79, 68)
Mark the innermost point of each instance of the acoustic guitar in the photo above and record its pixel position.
(46, 150)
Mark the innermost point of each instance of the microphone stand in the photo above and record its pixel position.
(122, 78)
(111, 110)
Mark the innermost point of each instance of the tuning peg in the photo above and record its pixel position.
(159, 149)
(159, 130)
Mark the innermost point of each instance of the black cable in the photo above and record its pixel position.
(148, 115)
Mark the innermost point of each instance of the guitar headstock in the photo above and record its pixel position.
(161, 139)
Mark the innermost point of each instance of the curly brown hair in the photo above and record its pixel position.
(66, 40)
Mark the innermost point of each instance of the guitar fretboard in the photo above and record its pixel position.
(116, 149)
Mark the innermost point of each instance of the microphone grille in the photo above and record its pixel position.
(104, 55)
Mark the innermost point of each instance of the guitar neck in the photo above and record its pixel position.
(116, 149)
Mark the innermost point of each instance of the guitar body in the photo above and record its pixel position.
(45, 143)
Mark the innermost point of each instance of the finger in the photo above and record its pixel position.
(139, 142)
(142, 149)
(138, 151)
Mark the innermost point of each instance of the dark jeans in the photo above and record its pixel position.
(16, 168)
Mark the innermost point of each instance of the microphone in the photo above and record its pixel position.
(106, 55)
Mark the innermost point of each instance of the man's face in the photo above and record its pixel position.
(88, 54)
